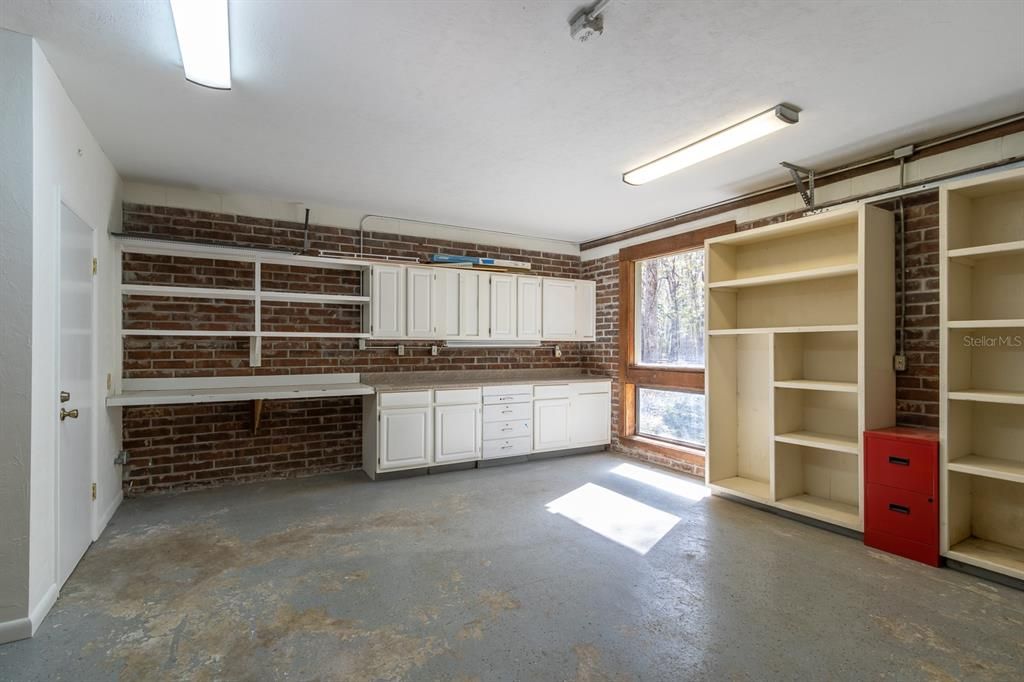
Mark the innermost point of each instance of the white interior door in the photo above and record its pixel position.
(76, 384)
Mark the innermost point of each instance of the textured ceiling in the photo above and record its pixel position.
(487, 114)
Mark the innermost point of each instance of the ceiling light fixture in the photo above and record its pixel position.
(202, 28)
(776, 118)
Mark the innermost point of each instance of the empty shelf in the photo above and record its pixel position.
(984, 324)
(991, 467)
(299, 297)
(314, 335)
(186, 332)
(822, 509)
(982, 396)
(811, 385)
(785, 330)
(782, 278)
(993, 556)
(186, 292)
(743, 487)
(972, 253)
(823, 441)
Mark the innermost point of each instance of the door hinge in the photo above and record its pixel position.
(94, 264)
(93, 491)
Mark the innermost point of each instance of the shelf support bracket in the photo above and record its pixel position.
(806, 191)
(257, 414)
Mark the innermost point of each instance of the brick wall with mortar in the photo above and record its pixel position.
(185, 446)
(917, 389)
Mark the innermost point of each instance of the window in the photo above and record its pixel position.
(675, 416)
(661, 331)
(671, 320)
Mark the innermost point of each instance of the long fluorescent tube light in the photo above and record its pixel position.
(202, 28)
(776, 118)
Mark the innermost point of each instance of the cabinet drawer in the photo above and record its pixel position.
(901, 464)
(510, 429)
(902, 513)
(405, 399)
(507, 398)
(506, 448)
(516, 389)
(588, 387)
(457, 396)
(552, 391)
(507, 413)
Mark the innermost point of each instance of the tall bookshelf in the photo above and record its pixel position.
(981, 234)
(800, 340)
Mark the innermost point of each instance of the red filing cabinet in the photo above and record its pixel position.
(901, 498)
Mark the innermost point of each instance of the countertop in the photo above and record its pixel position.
(405, 381)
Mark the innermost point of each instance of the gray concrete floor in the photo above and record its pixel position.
(468, 576)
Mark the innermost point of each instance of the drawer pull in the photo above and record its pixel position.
(507, 411)
(899, 509)
(899, 461)
(506, 447)
(507, 428)
(507, 397)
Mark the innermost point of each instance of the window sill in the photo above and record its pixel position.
(671, 450)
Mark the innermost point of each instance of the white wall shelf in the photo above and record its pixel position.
(257, 294)
(981, 406)
(800, 320)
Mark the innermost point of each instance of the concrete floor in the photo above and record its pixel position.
(469, 576)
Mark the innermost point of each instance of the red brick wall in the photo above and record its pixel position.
(917, 389)
(184, 446)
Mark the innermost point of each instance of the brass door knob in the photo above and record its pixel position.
(64, 414)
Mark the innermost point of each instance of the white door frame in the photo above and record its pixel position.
(93, 371)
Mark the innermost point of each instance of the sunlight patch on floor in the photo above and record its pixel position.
(691, 490)
(619, 518)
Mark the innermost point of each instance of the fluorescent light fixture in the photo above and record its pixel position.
(776, 118)
(202, 28)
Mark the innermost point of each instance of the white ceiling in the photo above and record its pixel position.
(487, 114)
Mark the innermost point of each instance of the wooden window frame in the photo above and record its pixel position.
(632, 375)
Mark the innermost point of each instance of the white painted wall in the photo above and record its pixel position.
(15, 329)
(68, 166)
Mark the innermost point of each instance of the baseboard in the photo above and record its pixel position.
(37, 614)
(13, 630)
(108, 513)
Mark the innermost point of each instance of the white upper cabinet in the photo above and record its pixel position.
(528, 307)
(388, 301)
(559, 309)
(446, 302)
(474, 304)
(503, 307)
(421, 320)
(586, 310)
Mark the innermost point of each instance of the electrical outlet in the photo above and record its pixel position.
(401, 349)
(558, 351)
(899, 363)
(434, 350)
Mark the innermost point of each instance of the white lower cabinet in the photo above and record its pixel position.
(590, 414)
(456, 433)
(551, 424)
(415, 429)
(404, 438)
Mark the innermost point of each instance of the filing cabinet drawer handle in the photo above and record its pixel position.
(899, 509)
(899, 461)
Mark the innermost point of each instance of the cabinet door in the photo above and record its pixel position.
(591, 419)
(404, 438)
(421, 320)
(446, 301)
(559, 309)
(474, 305)
(457, 433)
(503, 307)
(551, 424)
(387, 302)
(528, 307)
(586, 309)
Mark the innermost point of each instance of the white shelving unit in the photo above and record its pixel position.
(257, 294)
(982, 371)
(800, 321)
